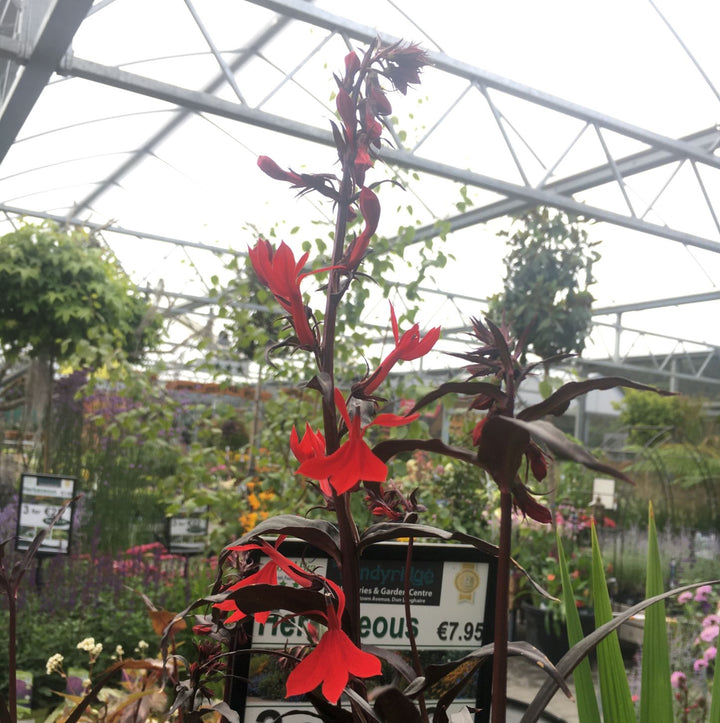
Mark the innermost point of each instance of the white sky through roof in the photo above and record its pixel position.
(200, 183)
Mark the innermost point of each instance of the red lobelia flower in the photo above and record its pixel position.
(266, 575)
(278, 270)
(267, 165)
(311, 446)
(347, 110)
(334, 659)
(354, 460)
(409, 346)
(370, 210)
(352, 65)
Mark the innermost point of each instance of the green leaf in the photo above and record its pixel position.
(587, 706)
(656, 702)
(614, 688)
(572, 658)
(545, 388)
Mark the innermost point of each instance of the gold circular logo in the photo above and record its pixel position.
(467, 581)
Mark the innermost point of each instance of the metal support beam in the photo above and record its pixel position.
(641, 162)
(200, 101)
(628, 366)
(45, 49)
(300, 10)
(111, 228)
(657, 303)
(182, 115)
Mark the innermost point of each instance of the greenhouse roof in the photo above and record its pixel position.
(143, 120)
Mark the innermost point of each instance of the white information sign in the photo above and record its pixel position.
(41, 497)
(447, 601)
(449, 613)
(187, 534)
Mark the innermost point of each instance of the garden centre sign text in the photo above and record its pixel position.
(451, 594)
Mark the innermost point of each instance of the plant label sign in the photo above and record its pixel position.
(451, 590)
(187, 533)
(41, 497)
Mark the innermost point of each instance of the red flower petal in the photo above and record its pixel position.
(354, 461)
(331, 663)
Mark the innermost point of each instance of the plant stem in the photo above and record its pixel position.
(12, 655)
(502, 600)
(408, 623)
(349, 536)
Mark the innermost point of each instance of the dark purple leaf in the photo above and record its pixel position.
(502, 347)
(435, 673)
(259, 598)
(561, 446)
(318, 533)
(391, 447)
(393, 706)
(360, 702)
(225, 710)
(383, 531)
(558, 402)
(501, 449)
(395, 660)
(472, 388)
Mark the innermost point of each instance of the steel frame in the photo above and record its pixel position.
(40, 42)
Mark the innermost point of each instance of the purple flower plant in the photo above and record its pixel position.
(678, 679)
(701, 594)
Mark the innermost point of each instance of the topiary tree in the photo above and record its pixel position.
(548, 272)
(65, 300)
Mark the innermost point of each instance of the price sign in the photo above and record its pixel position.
(452, 631)
(451, 593)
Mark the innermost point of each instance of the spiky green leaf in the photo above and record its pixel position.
(587, 705)
(655, 693)
(614, 688)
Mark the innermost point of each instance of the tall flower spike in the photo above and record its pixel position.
(278, 270)
(409, 346)
(333, 660)
(354, 460)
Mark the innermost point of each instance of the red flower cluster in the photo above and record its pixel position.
(311, 446)
(278, 270)
(370, 210)
(334, 659)
(409, 346)
(354, 460)
(266, 575)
